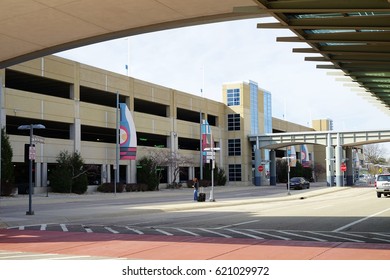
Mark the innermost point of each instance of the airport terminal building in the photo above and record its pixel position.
(77, 104)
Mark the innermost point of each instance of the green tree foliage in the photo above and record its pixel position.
(7, 169)
(149, 173)
(70, 176)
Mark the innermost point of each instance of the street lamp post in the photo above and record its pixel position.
(212, 149)
(288, 174)
(31, 128)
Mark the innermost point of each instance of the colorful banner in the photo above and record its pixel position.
(292, 156)
(305, 156)
(128, 135)
(207, 139)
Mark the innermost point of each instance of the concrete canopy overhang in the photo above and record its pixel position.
(351, 36)
(34, 28)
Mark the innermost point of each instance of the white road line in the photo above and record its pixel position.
(163, 232)
(216, 233)
(63, 227)
(268, 234)
(111, 230)
(304, 236)
(360, 220)
(246, 234)
(135, 230)
(239, 224)
(9, 253)
(322, 207)
(87, 229)
(71, 257)
(352, 234)
(338, 237)
(43, 227)
(381, 234)
(187, 231)
(381, 239)
(24, 255)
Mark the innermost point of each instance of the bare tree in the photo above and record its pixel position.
(174, 160)
(375, 154)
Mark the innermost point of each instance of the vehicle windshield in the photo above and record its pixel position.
(384, 178)
(295, 180)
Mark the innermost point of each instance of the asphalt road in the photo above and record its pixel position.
(318, 214)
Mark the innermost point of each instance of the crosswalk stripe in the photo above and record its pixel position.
(332, 236)
(63, 227)
(381, 239)
(268, 234)
(111, 230)
(135, 230)
(187, 231)
(304, 236)
(163, 232)
(87, 229)
(214, 232)
(43, 227)
(246, 234)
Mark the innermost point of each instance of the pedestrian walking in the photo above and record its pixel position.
(195, 185)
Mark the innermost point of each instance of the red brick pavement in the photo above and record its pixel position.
(153, 247)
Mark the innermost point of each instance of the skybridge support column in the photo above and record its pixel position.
(349, 155)
(272, 167)
(329, 162)
(339, 159)
(257, 164)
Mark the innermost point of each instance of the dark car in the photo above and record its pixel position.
(299, 183)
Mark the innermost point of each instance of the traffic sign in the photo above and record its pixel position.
(38, 139)
(343, 167)
(32, 153)
(260, 168)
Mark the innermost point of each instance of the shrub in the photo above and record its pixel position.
(61, 180)
(80, 184)
(69, 175)
(7, 189)
(136, 187)
(110, 188)
(7, 168)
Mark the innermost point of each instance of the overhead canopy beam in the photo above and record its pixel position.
(351, 36)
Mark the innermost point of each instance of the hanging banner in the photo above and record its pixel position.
(207, 139)
(305, 156)
(128, 135)
(292, 156)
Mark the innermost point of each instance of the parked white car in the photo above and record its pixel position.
(382, 185)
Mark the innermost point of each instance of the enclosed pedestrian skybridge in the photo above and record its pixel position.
(347, 138)
(335, 142)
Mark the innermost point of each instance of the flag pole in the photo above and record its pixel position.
(201, 125)
(116, 142)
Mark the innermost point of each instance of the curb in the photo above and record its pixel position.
(216, 204)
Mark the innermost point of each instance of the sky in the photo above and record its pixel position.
(206, 56)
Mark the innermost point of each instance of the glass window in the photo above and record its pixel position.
(233, 97)
(254, 96)
(234, 122)
(234, 172)
(234, 147)
(267, 112)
